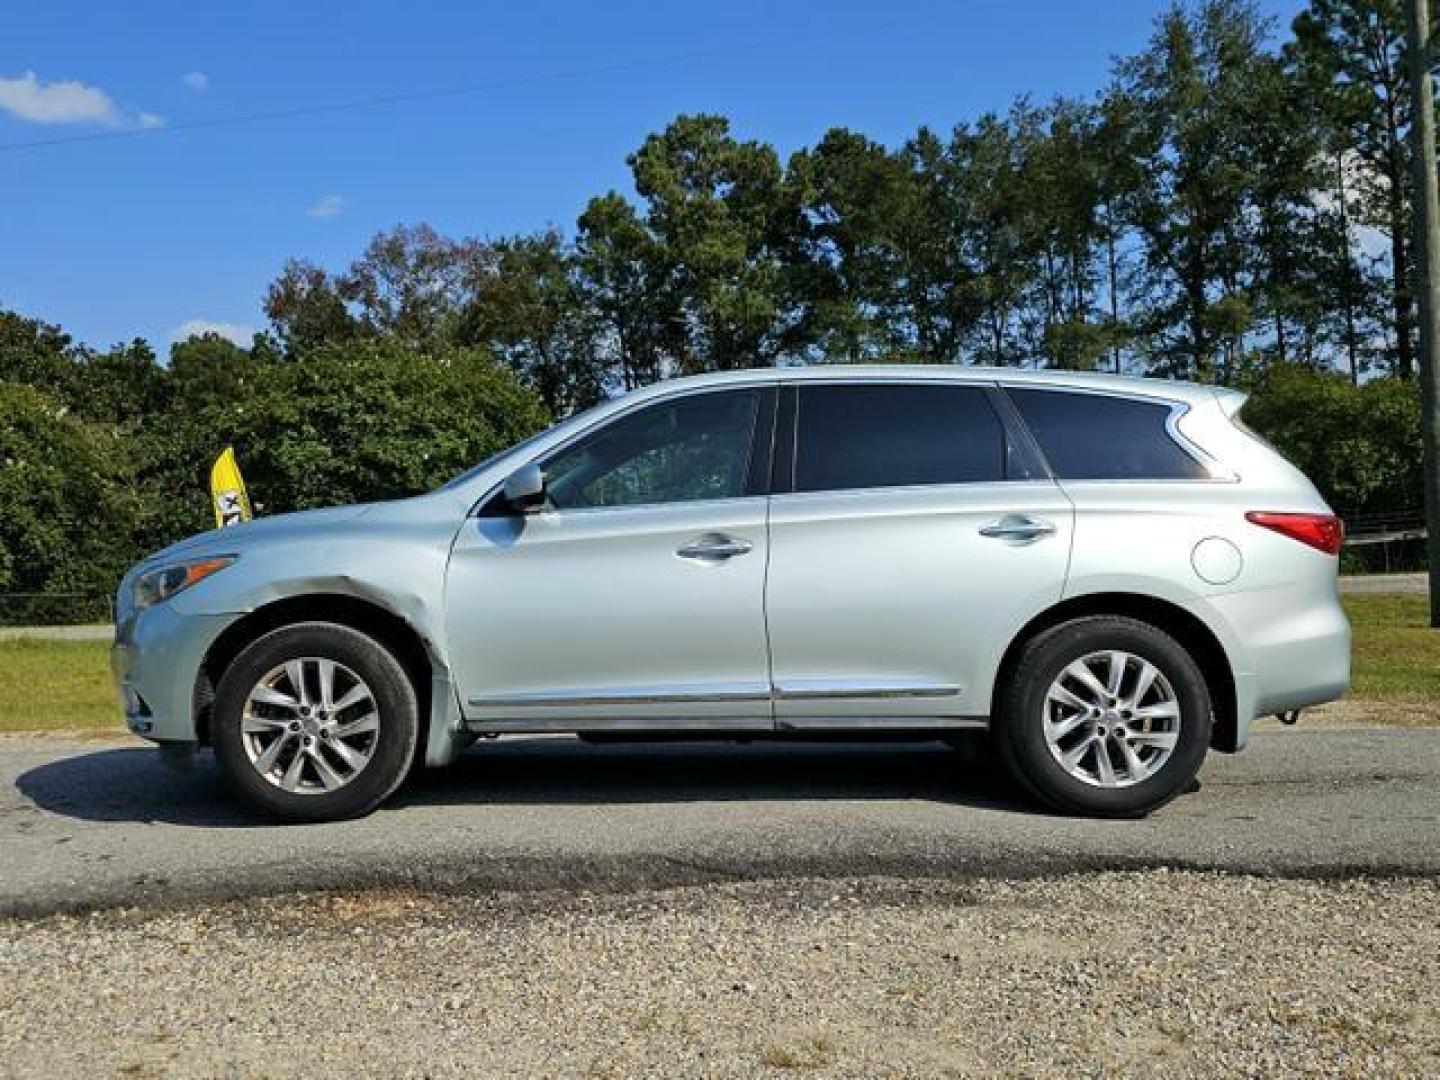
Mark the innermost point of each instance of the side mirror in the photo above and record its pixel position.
(525, 489)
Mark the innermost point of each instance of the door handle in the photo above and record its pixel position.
(1018, 527)
(715, 547)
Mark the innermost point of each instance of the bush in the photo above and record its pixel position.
(339, 424)
(66, 508)
(1359, 444)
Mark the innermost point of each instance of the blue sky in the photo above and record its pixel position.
(163, 228)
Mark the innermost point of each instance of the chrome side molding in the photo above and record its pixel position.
(812, 689)
(802, 690)
(632, 695)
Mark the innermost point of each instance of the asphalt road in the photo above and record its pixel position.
(87, 824)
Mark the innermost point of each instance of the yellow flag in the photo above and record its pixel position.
(227, 491)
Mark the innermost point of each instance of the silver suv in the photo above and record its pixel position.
(1109, 576)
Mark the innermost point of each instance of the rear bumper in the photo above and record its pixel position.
(1291, 649)
(154, 662)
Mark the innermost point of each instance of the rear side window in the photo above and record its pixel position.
(896, 436)
(1098, 437)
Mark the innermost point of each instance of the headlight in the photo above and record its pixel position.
(164, 582)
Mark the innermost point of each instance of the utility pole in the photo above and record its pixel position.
(1422, 55)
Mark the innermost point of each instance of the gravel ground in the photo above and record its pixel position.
(1101, 974)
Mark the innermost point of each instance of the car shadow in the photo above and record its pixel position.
(134, 785)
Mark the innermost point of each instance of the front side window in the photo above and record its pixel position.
(692, 448)
(1100, 437)
(858, 436)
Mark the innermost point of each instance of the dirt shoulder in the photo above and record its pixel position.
(1133, 973)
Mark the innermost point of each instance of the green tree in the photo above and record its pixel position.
(306, 310)
(124, 385)
(410, 282)
(343, 423)
(207, 368)
(627, 280)
(66, 506)
(941, 295)
(1061, 189)
(1359, 444)
(714, 204)
(1188, 95)
(1350, 53)
(528, 309)
(845, 251)
(38, 354)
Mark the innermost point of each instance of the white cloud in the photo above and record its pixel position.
(196, 80)
(328, 207)
(70, 102)
(239, 333)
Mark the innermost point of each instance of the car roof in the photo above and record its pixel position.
(1168, 389)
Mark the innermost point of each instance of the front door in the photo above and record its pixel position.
(635, 597)
(918, 535)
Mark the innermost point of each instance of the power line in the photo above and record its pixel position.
(431, 95)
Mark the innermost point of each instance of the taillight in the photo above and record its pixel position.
(1323, 532)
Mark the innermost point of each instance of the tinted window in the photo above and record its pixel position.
(696, 447)
(893, 436)
(1097, 437)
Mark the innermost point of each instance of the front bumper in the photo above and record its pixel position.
(154, 661)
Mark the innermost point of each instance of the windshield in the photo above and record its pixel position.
(475, 470)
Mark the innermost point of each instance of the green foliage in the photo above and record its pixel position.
(338, 424)
(530, 313)
(37, 354)
(1359, 444)
(1349, 56)
(66, 509)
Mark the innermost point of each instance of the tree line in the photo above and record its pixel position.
(1234, 207)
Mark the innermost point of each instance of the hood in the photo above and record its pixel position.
(275, 527)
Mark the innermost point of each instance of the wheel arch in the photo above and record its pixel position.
(366, 616)
(1184, 626)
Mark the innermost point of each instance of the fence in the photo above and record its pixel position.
(1383, 542)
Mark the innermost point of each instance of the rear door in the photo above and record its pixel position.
(913, 532)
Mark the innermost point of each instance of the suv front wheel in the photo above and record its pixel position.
(315, 722)
(1106, 716)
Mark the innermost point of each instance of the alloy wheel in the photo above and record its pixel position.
(310, 726)
(1111, 719)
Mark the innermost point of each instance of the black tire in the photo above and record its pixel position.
(1020, 717)
(394, 743)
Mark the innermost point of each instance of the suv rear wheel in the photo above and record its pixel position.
(1106, 716)
(314, 722)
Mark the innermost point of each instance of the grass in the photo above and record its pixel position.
(65, 685)
(56, 686)
(1396, 656)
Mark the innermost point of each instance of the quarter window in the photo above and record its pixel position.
(855, 436)
(1100, 437)
(692, 448)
